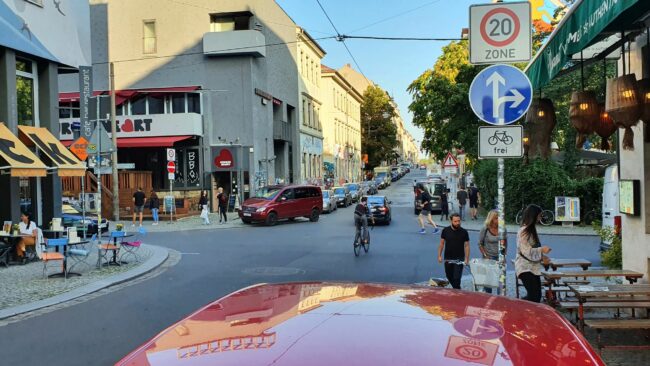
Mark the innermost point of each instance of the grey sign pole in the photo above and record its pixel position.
(85, 93)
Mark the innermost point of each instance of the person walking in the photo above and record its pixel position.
(444, 204)
(139, 199)
(530, 254)
(425, 198)
(474, 200)
(203, 204)
(488, 240)
(223, 206)
(461, 196)
(154, 206)
(454, 241)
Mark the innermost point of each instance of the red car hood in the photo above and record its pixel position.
(366, 324)
(256, 202)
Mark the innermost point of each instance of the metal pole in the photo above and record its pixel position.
(502, 223)
(98, 130)
(116, 184)
(173, 203)
(83, 204)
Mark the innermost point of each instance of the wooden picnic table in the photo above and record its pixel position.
(556, 263)
(626, 293)
(631, 276)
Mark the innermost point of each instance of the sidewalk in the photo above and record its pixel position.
(185, 223)
(24, 289)
(476, 225)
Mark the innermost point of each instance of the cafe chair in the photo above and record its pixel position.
(132, 248)
(50, 255)
(105, 251)
(79, 254)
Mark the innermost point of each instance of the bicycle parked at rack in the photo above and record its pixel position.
(547, 218)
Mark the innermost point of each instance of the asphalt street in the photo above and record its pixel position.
(213, 263)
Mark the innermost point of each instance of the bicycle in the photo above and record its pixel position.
(358, 243)
(547, 218)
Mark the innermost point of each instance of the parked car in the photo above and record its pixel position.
(72, 215)
(435, 189)
(380, 182)
(329, 201)
(394, 176)
(380, 209)
(343, 196)
(369, 188)
(355, 190)
(320, 323)
(273, 203)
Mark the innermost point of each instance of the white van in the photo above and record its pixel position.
(610, 201)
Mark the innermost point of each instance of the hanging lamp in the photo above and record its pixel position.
(540, 122)
(583, 110)
(622, 102)
(644, 89)
(605, 128)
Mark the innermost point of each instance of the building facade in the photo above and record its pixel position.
(215, 80)
(341, 120)
(308, 58)
(37, 43)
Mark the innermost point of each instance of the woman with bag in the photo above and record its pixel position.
(203, 204)
(488, 240)
(154, 206)
(530, 254)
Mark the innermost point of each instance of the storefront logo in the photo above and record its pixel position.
(224, 160)
(127, 126)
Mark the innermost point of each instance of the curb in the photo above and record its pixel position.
(158, 257)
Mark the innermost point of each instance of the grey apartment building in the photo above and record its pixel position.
(215, 80)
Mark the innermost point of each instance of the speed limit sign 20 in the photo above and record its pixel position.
(500, 32)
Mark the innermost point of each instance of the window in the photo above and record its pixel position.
(227, 22)
(26, 92)
(156, 104)
(64, 110)
(178, 103)
(194, 103)
(139, 105)
(149, 36)
(301, 192)
(309, 109)
(119, 110)
(304, 112)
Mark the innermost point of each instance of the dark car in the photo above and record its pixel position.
(369, 188)
(355, 190)
(435, 189)
(394, 176)
(380, 209)
(343, 196)
(320, 323)
(72, 216)
(380, 182)
(273, 203)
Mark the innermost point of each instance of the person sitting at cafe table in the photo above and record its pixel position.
(30, 231)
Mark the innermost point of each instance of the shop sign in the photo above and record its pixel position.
(145, 125)
(223, 159)
(86, 87)
(193, 173)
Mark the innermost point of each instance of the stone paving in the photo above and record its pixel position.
(185, 223)
(22, 284)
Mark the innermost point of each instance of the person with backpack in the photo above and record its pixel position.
(474, 200)
(223, 206)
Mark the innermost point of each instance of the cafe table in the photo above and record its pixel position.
(619, 293)
(11, 241)
(555, 263)
(115, 235)
(555, 276)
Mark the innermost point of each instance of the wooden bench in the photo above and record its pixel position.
(629, 324)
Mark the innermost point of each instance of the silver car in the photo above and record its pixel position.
(355, 191)
(329, 201)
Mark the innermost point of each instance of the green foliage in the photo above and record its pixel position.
(537, 182)
(612, 258)
(379, 134)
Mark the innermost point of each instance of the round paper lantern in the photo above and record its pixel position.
(584, 114)
(605, 128)
(622, 104)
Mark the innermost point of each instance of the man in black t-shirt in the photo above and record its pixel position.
(138, 204)
(474, 200)
(455, 243)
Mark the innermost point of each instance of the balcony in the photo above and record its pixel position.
(234, 43)
(281, 131)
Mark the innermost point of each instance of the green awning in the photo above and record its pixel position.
(583, 23)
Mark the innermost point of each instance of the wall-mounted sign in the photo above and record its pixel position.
(629, 196)
(145, 125)
(193, 176)
(224, 159)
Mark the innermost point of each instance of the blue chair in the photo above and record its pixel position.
(80, 252)
(50, 255)
(132, 248)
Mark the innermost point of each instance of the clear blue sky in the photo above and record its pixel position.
(391, 64)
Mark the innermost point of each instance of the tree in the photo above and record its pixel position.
(378, 133)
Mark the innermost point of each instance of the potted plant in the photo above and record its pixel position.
(119, 227)
(15, 229)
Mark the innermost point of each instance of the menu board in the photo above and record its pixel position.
(628, 193)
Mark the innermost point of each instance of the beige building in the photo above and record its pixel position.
(308, 58)
(341, 120)
(404, 147)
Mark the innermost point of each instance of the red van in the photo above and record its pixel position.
(273, 203)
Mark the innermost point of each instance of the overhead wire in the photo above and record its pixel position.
(395, 16)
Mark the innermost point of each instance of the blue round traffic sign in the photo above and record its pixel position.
(500, 94)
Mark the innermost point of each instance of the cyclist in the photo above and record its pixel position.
(361, 213)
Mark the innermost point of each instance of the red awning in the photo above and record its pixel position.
(163, 141)
(122, 95)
